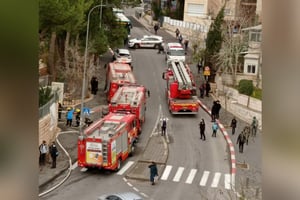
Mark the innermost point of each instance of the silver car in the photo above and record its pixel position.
(147, 41)
(122, 56)
(120, 196)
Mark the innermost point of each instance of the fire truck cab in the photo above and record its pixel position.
(108, 141)
(130, 99)
(181, 89)
(117, 75)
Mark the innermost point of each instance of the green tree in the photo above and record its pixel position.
(246, 87)
(214, 39)
(45, 95)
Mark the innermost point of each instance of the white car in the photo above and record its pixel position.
(175, 52)
(122, 56)
(147, 41)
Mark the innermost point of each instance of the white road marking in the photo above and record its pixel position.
(216, 180)
(204, 178)
(166, 172)
(128, 164)
(178, 174)
(74, 165)
(227, 181)
(191, 176)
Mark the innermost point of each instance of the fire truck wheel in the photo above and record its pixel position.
(132, 148)
(119, 164)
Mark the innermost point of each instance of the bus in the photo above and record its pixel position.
(123, 20)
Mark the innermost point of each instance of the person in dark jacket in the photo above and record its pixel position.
(233, 125)
(156, 27)
(177, 33)
(214, 111)
(160, 48)
(163, 127)
(53, 153)
(207, 88)
(153, 172)
(202, 90)
(241, 141)
(218, 108)
(202, 129)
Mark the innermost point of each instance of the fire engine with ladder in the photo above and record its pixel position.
(180, 90)
(107, 142)
(130, 99)
(117, 75)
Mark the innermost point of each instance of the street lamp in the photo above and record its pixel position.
(85, 60)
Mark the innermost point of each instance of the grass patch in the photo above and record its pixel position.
(257, 93)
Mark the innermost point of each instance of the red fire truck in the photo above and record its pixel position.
(117, 75)
(108, 141)
(180, 90)
(130, 99)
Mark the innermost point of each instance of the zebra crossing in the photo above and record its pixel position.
(190, 176)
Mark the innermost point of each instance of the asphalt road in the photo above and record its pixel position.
(190, 159)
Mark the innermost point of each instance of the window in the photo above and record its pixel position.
(195, 9)
(255, 36)
(251, 69)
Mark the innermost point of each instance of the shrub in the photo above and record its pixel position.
(246, 87)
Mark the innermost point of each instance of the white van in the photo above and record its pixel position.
(174, 52)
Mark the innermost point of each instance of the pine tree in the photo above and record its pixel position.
(214, 39)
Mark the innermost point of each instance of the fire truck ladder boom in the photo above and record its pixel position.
(181, 75)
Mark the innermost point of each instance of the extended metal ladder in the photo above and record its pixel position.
(182, 76)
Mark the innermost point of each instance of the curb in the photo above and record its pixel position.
(229, 143)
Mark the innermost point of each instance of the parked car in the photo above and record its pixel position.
(175, 51)
(147, 41)
(122, 55)
(120, 196)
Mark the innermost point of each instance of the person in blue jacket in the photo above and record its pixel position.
(70, 117)
(215, 129)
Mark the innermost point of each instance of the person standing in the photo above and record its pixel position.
(202, 89)
(54, 154)
(207, 88)
(160, 48)
(215, 129)
(214, 111)
(254, 125)
(177, 33)
(93, 85)
(186, 44)
(180, 39)
(153, 172)
(233, 125)
(163, 127)
(218, 108)
(43, 148)
(199, 66)
(156, 27)
(241, 141)
(202, 129)
(70, 117)
(77, 117)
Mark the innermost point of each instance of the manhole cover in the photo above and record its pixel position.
(242, 165)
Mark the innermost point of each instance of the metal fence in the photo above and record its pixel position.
(45, 109)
